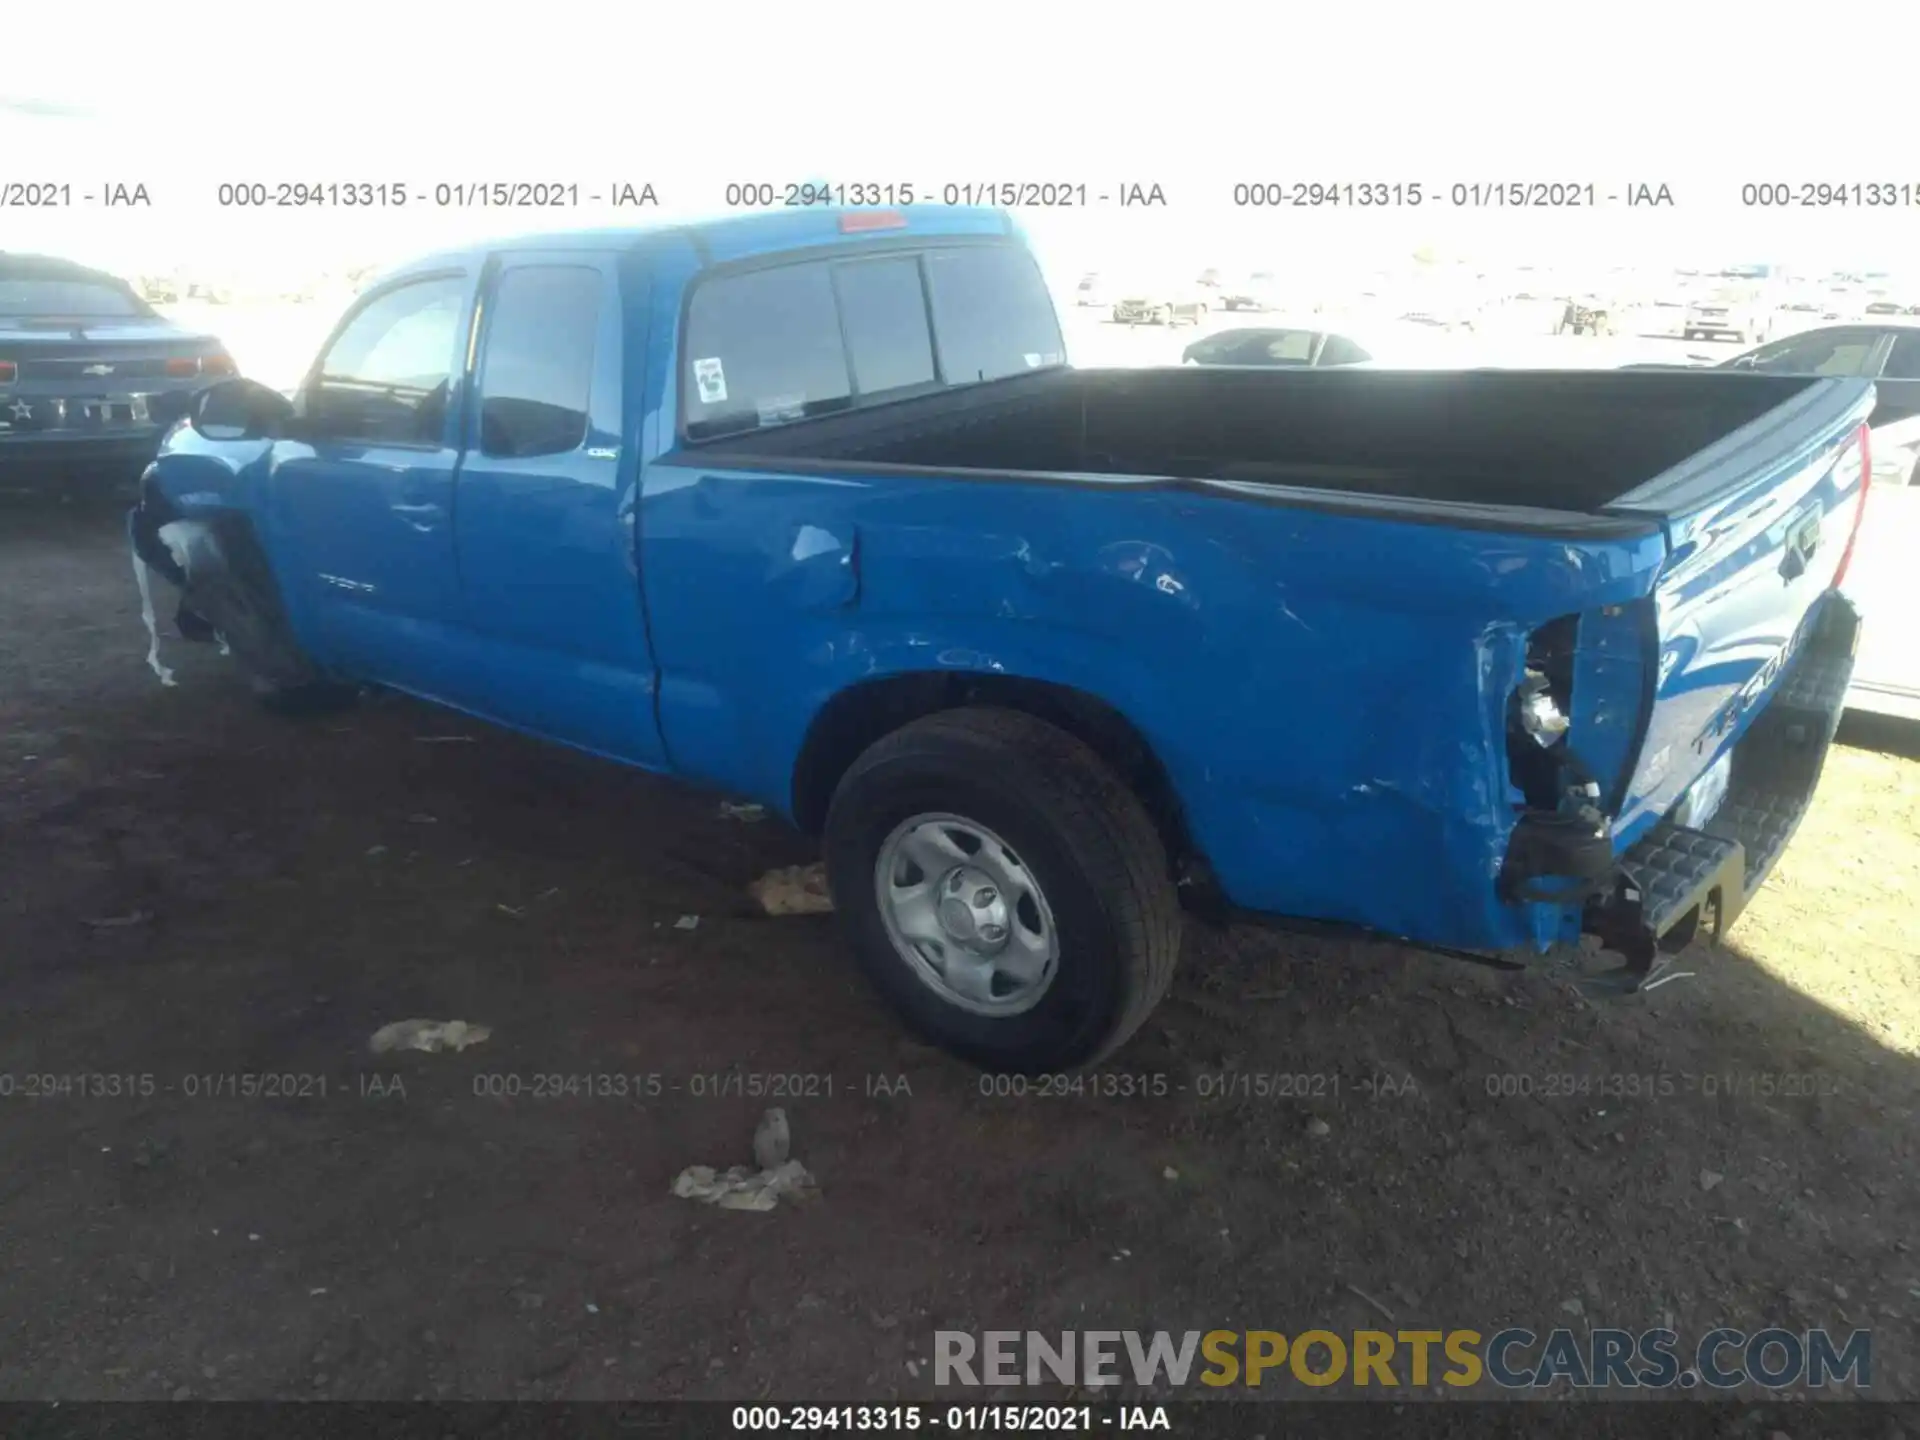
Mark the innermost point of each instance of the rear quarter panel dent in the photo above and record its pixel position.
(1321, 689)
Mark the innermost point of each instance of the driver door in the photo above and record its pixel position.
(362, 499)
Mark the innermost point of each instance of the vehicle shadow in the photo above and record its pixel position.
(1885, 734)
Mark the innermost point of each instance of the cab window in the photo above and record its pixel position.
(386, 377)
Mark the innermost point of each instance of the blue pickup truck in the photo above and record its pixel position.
(810, 508)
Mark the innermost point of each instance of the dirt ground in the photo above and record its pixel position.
(191, 889)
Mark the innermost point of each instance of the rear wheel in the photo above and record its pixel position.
(1003, 890)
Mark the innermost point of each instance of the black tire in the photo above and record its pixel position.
(1076, 827)
(242, 601)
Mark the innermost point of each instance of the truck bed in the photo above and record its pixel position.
(1561, 440)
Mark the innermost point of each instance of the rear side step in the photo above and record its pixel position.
(1678, 884)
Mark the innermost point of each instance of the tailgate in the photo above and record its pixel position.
(1756, 525)
(1753, 651)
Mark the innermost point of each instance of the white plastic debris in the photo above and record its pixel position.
(119, 922)
(428, 1035)
(794, 890)
(142, 578)
(687, 922)
(772, 1140)
(745, 1188)
(747, 814)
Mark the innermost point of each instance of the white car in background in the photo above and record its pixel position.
(1729, 313)
(1162, 302)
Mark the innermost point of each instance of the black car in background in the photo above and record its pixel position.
(1275, 346)
(91, 375)
(1884, 348)
(1883, 578)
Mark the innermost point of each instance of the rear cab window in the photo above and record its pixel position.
(791, 341)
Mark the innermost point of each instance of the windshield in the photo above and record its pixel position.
(67, 294)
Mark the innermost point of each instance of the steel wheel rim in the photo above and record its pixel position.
(966, 915)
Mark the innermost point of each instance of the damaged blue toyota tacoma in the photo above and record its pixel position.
(811, 508)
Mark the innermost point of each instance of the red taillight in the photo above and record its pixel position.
(854, 221)
(183, 367)
(217, 365)
(9, 372)
(1865, 442)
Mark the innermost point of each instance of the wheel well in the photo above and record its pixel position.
(862, 714)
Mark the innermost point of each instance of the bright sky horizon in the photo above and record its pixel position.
(689, 100)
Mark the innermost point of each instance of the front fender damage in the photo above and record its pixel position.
(227, 595)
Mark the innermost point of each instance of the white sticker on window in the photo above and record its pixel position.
(776, 408)
(711, 376)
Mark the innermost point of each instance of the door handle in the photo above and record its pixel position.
(1803, 542)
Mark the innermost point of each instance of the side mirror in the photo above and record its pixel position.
(240, 409)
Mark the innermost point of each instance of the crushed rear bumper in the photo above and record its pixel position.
(1679, 883)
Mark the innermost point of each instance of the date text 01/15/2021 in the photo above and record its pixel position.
(1459, 195)
(1003, 194)
(324, 194)
(1001, 1419)
(709, 1085)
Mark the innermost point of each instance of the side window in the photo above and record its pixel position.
(537, 373)
(761, 347)
(1339, 350)
(884, 312)
(1294, 347)
(1904, 362)
(1227, 348)
(386, 378)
